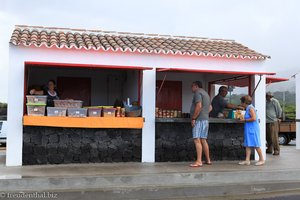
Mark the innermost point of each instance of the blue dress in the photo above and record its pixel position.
(251, 130)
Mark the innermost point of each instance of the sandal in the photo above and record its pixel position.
(195, 165)
(244, 162)
(207, 163)
(260, 163)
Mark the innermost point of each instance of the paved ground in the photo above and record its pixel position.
(91, 181)
(288, 160)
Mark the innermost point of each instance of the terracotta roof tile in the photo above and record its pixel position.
(133, 42)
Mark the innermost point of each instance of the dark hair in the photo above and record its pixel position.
(222, 88)
(246, 99)
(53, 81)
(198, 83)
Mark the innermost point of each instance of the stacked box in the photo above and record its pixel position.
(36, 99)
(36, 109)
(36, 105)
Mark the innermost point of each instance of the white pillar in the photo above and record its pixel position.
(148, 103)
(15, 112)
(260, 106)
(298, 111)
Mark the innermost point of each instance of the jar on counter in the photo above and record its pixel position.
(175, 113)
(164, 114)
(160, 114)
(179, 114)
(172, 114)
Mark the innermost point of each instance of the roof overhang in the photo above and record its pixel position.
(80, 65)
(213, 71)
(270, 80)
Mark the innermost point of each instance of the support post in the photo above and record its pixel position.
(148, 103)
(14, 143)
(260, 105)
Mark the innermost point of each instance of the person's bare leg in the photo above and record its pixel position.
(248, 153)
(205, 150)
(259, 152)
(198, 146)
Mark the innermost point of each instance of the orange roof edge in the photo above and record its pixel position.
(270, 79)
(213, 71)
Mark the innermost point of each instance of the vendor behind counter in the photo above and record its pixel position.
(219, 103)
(49, 90)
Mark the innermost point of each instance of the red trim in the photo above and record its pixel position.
(52, 64)
(213, 71)
(275, 79)
(250, 85)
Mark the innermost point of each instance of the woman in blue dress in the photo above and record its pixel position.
(251, 132)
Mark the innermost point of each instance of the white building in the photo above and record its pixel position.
(41, 53)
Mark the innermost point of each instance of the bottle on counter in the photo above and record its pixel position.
(118, 114)
(122, 112)
(175, 114)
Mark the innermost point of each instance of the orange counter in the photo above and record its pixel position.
(87, 122)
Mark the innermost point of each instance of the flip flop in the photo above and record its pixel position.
(208, 163)
(195, 165)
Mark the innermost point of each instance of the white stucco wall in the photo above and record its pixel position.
(18, 55)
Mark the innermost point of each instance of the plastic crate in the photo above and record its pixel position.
(55, 111)
(68, 103)
(94, 112)
(36, 110)
(109, 112)
(77, 112)
(36, 99)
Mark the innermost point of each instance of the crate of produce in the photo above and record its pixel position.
(36, 109)
(94, 111)
(68, 103)
(56, 111)
(109, 112)
(77, 112)
(36, 99)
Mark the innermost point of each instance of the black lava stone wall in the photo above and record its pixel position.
(49, 145)
(174, 142)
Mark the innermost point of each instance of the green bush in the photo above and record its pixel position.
(3, 105)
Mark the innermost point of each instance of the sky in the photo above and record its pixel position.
(271, 27)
